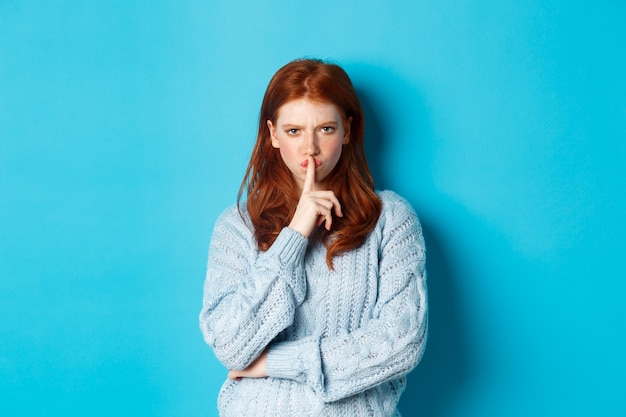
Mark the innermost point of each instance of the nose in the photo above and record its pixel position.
(311, 144)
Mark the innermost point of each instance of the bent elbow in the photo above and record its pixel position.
(418, 346)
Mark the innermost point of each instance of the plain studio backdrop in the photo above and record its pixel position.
(125, 129)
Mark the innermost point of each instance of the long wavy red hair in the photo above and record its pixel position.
(272, 195)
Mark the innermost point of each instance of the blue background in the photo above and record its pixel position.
(125, 128)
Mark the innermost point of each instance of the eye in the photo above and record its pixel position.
(328, 129)
(292, 132)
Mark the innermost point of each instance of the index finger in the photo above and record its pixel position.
(309, 181)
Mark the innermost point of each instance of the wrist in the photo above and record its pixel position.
(304, 231)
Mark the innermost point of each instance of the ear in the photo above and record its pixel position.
(272, 130)
(346, 130)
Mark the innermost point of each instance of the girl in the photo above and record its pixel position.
(315, 293)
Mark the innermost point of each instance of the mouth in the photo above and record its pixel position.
(305, 163)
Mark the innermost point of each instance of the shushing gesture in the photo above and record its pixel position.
(314, 207)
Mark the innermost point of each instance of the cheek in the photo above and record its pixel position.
(288, 153)
(334, 150)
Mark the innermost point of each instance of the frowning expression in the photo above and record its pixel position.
(306, 128)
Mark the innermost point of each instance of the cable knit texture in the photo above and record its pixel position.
(340, 342)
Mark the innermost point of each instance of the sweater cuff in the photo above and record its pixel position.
(296, 360)
(289, 246)
(286, 255)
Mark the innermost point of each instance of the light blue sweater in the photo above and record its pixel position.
(340, 342)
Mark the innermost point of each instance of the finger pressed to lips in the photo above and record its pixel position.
(309, 181)
(305, 163)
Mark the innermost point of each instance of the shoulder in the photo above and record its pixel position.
(234, 219)
(394, 205)
(397, 217)
(231, 213)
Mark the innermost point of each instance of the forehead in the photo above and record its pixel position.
(303, 110)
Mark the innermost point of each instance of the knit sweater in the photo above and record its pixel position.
(340, 341)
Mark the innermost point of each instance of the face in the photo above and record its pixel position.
(304, 128)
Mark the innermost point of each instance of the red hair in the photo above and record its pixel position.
(272, 195)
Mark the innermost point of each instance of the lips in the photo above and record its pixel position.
(305, 163)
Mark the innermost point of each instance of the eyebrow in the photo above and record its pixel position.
(333, 122)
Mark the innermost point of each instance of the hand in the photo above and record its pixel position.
(255, 370)
(314, 207)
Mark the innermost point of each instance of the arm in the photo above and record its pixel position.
(249, 299)
(246, 305)
(385, 348)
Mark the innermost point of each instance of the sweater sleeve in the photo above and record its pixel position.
(390, 344)
(249, 297)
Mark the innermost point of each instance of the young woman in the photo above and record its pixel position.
(315, 293)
